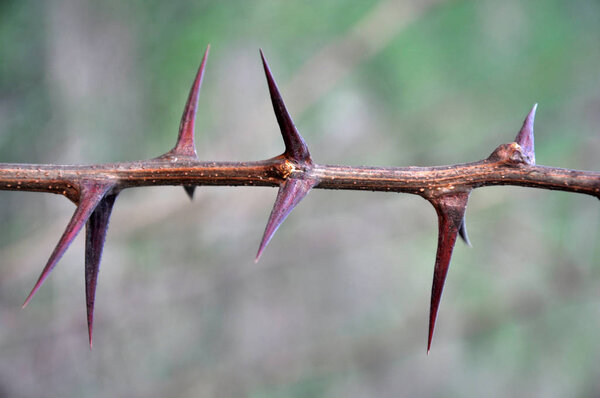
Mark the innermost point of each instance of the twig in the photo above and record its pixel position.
(94, 188)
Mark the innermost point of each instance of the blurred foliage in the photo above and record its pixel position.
(181, 308)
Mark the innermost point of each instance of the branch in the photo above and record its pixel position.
(94, 188)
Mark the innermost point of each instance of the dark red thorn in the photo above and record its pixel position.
(95, 235)
(185, 141)
(291, 192)
(462, 232)
(295, 147)
(189, 189)
(450, 210)
(91, 194)
(525, 137)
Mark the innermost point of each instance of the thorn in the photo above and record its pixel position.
(185, 141)
(295, 147)
(462, 232)
(91, 194)
(189, 189)
(95, 235)
(451, 210)
(291, 192)
(525, 136)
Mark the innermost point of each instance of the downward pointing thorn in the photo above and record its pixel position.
(90, 197)
(451, 210)
(462, 232)
(189, 189)
(291, 192)
(95, 235)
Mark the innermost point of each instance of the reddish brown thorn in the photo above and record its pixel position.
(95, 234)
(451, 210)
(295, 147)
(462, 232)
(291, 192)
(525, 137)
(189, 189)
(91, 194)
(185, 141)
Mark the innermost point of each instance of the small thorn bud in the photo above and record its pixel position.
(462, 232)
(189, 189)
(525, 137)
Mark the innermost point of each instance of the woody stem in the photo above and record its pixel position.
(424, 181)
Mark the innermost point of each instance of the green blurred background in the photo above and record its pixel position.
(338, 305)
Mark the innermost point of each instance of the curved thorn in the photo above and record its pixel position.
(462, 232)
(95, 235)
(451, 211)
(291, 192)
(525, 136)
(91, 194)
(189, 189)
(185, 141)
(295, 147)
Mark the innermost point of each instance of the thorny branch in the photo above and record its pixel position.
(94, 188)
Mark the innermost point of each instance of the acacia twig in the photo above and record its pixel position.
(94, 188)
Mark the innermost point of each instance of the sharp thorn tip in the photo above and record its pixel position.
(31, 294)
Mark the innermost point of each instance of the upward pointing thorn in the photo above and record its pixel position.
(185, 141)
(525, 136)
(295, 147)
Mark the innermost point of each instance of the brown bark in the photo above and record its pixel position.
(424, 181)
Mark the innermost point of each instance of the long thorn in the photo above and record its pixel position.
(185, 141)
(291, 192)
(295, 147)
(451, 211)
(96, 228)
(91, 194)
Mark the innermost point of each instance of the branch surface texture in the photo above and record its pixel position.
(94, 188)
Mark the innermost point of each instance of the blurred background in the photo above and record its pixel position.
(338, 305)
